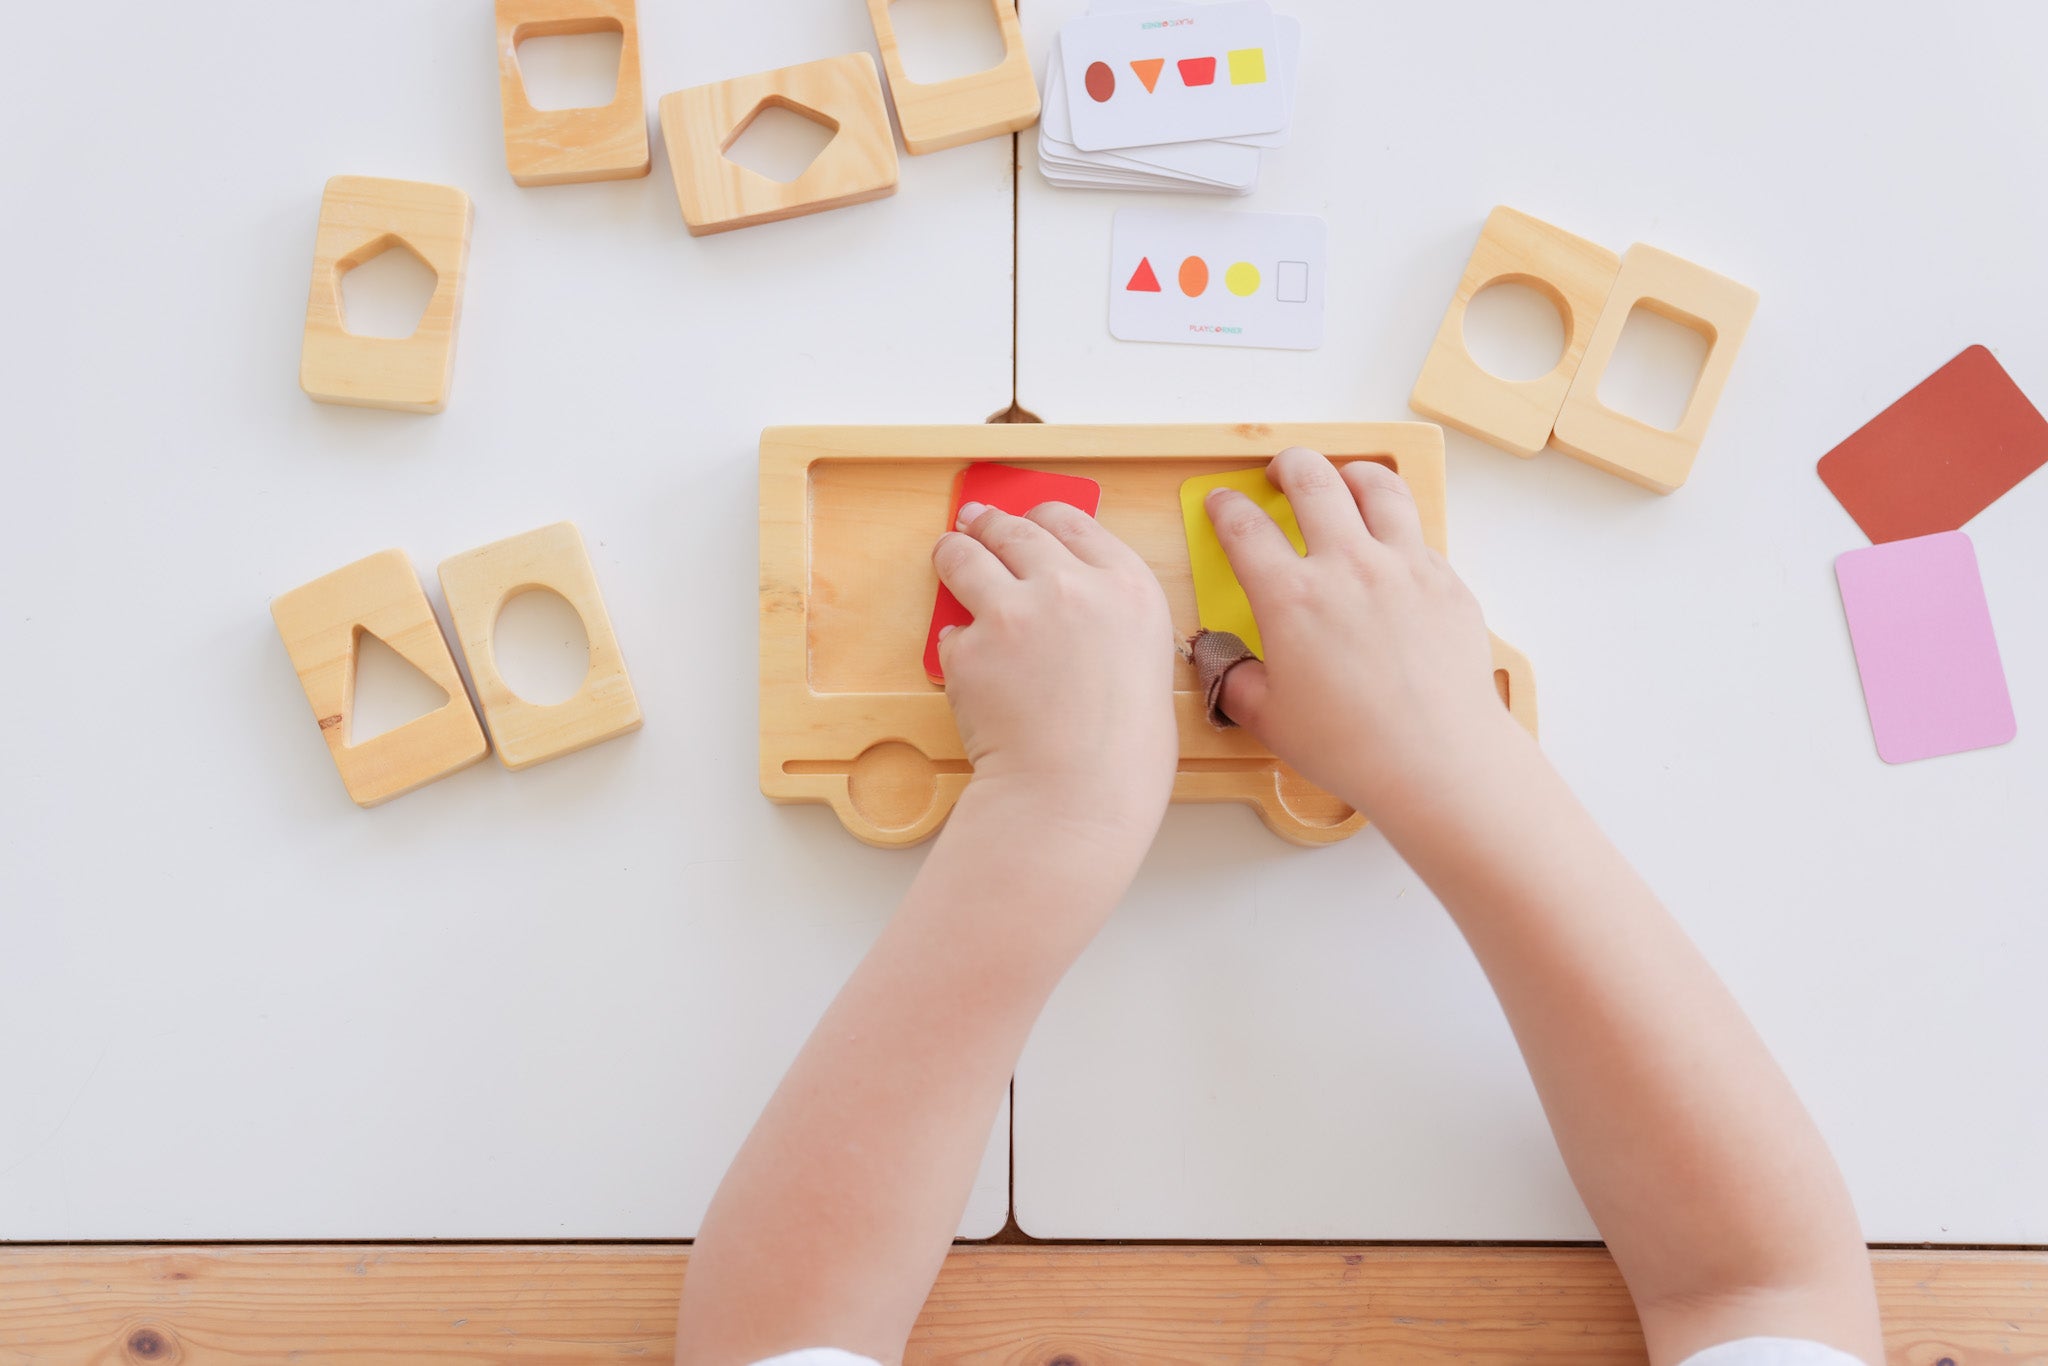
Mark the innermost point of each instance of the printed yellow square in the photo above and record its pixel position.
(1220, 603)
(1248, 66)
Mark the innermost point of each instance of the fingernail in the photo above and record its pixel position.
(945, 631)
(968, 513)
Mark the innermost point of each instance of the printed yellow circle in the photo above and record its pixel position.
(1242, 279)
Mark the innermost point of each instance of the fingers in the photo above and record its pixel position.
(1024, 547)
(971, 570)
(1322, 505)
(1088, 540)
(1388, 506)
(1244, 694)
(1258, 550)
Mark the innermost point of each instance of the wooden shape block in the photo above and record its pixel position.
(848, 518)
(570, 146)
(718, 194)
(1713, 305)
(324, 622)
(362, 217)
(1956, 444)
(982, 104)
(478, 583)
(1574, 274)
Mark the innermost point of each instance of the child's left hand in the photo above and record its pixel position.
(1063, 683)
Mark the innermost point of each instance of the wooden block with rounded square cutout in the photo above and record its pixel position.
(935, 115)
(362, 217)
(848, 519)
(1574, 274)
(571, 146)
(718, 194)
(478, 583)
(1713, 305)
(323, 624)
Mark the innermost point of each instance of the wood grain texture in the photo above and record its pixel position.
(992, 1306)
(1574, 274)
(936, 115)
(718, 194)
(360, 218)
(323, 624)
(478, 583)
(1713, 305)
(848, 518)
(571, 146)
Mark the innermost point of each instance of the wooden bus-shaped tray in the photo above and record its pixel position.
(848, 518)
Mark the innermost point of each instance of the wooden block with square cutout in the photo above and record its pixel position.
(1713, 305)
(478, 583)
(848, 519)
(718, 194)
(1574, 274)
(936, 115)
(323, 624)
(571, 146)
(362, 217)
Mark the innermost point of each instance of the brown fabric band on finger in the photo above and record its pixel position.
(1214, 654)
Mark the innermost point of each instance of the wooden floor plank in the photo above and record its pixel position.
(1043, 1305)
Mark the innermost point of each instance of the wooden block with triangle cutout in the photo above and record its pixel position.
(323, 625)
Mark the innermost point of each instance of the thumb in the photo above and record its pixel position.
(1242, 697)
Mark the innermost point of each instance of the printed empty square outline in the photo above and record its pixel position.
(718, 194)
(322, 624)
(478, 583)
(1290, 282)
(571, 146)
(1574, 274)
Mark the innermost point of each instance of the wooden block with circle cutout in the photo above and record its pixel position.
(477, 584)
(571, 146)
(1712, 305)
(323, 624)
(1574, 274)
(935, 115)
(361, 217)
(718, 194)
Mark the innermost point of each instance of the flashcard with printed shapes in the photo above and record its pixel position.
(1171, 75)
(1218, 279)
(1012, 490)
(1220, 601)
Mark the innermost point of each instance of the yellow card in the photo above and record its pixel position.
(1220, 602)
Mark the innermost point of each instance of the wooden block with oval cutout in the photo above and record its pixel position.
(571, 146)
(323, 624)
(848, 518)
(935, 115)
(361, 217)
(478, 583)
(718, 194)
(1574, 274)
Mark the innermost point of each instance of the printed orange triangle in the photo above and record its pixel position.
(1148, 71)
(1144, 281)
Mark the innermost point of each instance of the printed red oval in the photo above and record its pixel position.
(1101, 82)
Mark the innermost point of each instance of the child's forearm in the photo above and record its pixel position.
(1706, 1176)
(835, 1217)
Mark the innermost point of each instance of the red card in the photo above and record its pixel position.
(1013, 491)
(1942, 454)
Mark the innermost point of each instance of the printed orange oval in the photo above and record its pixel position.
(1194, 276)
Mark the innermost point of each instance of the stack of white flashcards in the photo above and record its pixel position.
(1182, 98)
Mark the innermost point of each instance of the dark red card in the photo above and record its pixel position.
(1942, 454)
(1013, 491)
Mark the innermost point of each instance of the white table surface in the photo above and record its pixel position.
(1277, 1043)
(538, 1004)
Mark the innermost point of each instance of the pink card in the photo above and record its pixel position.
(1925, 648)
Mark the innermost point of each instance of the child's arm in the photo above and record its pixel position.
(1714, 1190)
(836, 1214)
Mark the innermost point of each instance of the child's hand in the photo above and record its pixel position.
(1063, 683)
(1378, 676)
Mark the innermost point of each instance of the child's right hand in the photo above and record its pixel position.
(1377, 683)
